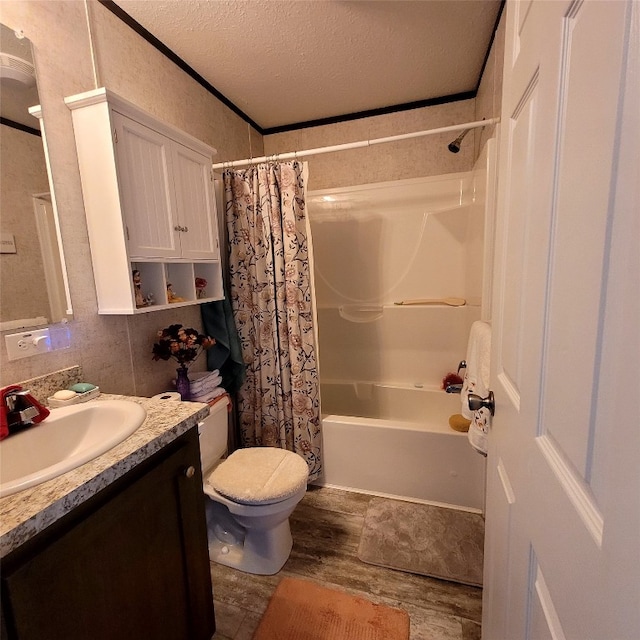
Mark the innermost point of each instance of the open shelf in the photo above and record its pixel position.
(156, 277)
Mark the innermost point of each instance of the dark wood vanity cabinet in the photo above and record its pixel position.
(129, 563)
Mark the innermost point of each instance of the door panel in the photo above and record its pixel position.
(196, 204)
(144, 170)
(519, 202)
(563, 515)
(544, 621)
(582, 188)
(500, 498)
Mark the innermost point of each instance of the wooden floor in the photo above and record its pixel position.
(326, 528)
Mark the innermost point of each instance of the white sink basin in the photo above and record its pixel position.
(68, 438)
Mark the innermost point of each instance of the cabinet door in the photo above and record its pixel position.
(196, 204)
(144, 160)
(133, 565)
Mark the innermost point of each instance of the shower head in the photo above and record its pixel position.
(454, 146)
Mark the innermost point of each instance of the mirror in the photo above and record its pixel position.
(34, 289)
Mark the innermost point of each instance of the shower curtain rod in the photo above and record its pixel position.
(352, 145)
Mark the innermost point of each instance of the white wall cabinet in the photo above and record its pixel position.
(150, 206)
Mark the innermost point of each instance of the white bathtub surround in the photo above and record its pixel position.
(407, 345)
(385, 420)
(381, 243)
(378, 244)
(399, 444)
(272, 299)
(476, 381)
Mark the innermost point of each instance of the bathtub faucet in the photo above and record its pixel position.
(451, 384)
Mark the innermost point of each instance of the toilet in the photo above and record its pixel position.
(250, 496)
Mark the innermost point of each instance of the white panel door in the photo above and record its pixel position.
(563, 506)
(144, 160)
(195, 203)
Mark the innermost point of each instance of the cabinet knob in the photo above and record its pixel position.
(189, 472)
(177, 228)
(185, 229)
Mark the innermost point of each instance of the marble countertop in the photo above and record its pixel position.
(26, 513)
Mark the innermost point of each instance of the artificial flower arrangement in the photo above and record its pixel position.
(184, 346)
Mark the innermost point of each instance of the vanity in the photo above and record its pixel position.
(116, 548)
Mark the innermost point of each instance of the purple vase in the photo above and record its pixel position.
(183, 385)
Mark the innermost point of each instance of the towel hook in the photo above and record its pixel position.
(476, 402)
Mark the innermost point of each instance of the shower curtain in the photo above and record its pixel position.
(271, 296)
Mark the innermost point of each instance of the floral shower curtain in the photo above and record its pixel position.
(271, 296)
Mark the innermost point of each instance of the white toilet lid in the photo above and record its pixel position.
(260, 475)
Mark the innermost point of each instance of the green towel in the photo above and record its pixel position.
(226, 353)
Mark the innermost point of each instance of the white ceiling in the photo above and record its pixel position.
(283, 62)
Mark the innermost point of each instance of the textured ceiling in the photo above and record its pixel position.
(288, 61)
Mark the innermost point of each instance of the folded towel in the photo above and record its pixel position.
(204, 381)
(208, 396)
(207, 388)
(476, 381)
(203, 376)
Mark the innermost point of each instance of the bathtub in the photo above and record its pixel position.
(396, 441)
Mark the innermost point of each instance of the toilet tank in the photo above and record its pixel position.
(213, 432)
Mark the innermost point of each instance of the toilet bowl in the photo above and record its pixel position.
(250, 497)
(252, 538)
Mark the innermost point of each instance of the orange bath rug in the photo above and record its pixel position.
(303, 610)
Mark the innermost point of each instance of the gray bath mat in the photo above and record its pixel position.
(419, 538)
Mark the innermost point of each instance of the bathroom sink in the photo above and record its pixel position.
(68, 438)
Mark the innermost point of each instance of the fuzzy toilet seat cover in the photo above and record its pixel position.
(260, 475)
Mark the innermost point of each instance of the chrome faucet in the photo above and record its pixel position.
(21, 408)
(456, 387)
(20, 412)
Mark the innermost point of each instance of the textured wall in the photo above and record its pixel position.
(114, 351)
(406, 159)
(489, 98)
(413, 158)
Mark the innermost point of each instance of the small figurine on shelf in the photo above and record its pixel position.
(171, 296)
(137, 286)
(201, 290)
(150, 299)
